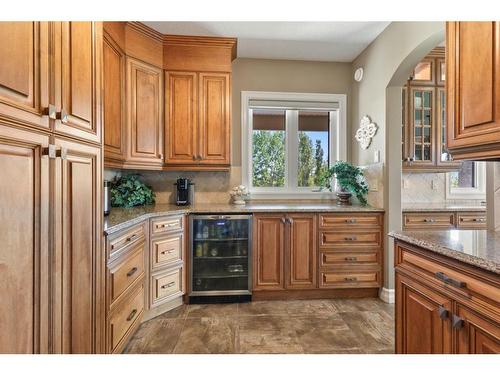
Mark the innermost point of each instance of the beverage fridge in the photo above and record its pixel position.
(221, 259)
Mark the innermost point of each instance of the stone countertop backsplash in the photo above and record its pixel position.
(120, 218)
(479, 248)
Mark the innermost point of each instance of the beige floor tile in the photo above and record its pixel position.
(212, 310)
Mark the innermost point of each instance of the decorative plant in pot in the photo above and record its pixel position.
(128, 191)
(349, 180)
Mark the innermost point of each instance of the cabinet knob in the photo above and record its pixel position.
(283, 220)
(61, 153)
(350, 278)
(131, 315)
(132, 271)
(443, 313)
(63, 116)
(457, 322)
(354, 238)
(50, 111)
(351, 259)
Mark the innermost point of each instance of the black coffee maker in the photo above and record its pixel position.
(185, 192)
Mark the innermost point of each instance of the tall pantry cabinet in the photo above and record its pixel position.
(50, 191)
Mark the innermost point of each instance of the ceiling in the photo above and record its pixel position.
(317, 41)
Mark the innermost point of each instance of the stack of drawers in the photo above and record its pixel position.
(350, 249)
(166, 260)
(444, 220)
(124, 285)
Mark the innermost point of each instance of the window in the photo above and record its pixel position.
(289, 140)
(469, 182)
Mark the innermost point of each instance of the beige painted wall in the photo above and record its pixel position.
(252, 75)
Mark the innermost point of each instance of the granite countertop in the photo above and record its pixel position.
(480, 248)
(120, 218)
(436, 207)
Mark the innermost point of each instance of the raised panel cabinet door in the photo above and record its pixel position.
(113, 100)
(24, 72)
(269, 251)
(301, 255)
(215, 118)
(473, 88)
(476, 334)
(423, 319)
(24, 262)
(181, 130)
(77, 82)
(145, 112)
(79, 266)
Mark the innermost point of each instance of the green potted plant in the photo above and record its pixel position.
(128, 191)
(349, 180)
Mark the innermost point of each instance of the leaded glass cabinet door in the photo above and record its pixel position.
(422, 126)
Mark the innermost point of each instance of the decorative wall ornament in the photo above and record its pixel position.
(358, 74)
(366, 131)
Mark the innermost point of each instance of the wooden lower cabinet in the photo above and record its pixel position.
(418, 220)
(436, 317)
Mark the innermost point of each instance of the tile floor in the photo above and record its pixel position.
(310, 326)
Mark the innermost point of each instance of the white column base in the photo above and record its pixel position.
(387, 295)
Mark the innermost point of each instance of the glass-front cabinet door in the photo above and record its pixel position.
(220, 254)
(422, 125)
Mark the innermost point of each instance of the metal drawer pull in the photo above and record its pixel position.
(457, 322)
(479, 220)
(132, 314)
(443, 313)
(219, 217)
(167, 251)
(352, 259)
(170, 284)
(350, 238)
(283, 220)
(429, 220)
(132, 237)
(132, 271)
(448, 280)
(350, 278)
(351, 221)
(166, 225)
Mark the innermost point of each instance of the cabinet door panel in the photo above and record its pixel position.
(113, 100)
(473, 80)
(24, 72)
(77, 78)
(24, 252)
(478, 335)
(301, 263)
(269, 245)
(215, 121)
(419, 327)
(181, 141)
(145, 123)
(78, 236)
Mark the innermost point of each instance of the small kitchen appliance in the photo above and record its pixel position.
(185, 192)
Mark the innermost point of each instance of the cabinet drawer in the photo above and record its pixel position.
(166, 250)
(349, 220)
(430, 220)
(335, 258)
(437, 273)
(123, 239)
(126, 272)
(350, 238)
(166, 224)
(166, 286)
(125, 316)
(471, 220)
(349, 279)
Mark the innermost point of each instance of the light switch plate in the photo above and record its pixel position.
(406, 183)
(376, 156)
(374, 185)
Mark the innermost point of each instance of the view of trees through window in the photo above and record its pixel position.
(269, 148)
(465, 176)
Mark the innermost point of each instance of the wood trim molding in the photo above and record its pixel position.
(205, 41)
(146, 30)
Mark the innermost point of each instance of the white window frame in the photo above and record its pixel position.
(478, 192)
(337, 143)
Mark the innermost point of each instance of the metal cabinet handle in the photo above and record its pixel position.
(131, 315)
(167, 251)
(219, 217)
(283, 220)
(443, 313)
(350, 278)
(132, 271)
(50, 111)
(132, 237)
(352, 259)
(61, 153)
(289, 220)
(63, 116)
(351, 221)
(354, 238)
(479, 220)
(429, 220)
(170, 284)
(457, 322)
(448, 280)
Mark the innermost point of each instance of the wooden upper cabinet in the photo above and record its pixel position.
(269, 252)
(24, 216)
(215, 118)
(113, 100)
(301, 260)
(181, 128)
(77, 83)
(145, 113)
(473, 88)
(423, 319)
(24, 72)
(78, 298)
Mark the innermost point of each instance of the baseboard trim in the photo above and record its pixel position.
(387, 295)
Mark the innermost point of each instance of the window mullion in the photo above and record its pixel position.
(292, 147)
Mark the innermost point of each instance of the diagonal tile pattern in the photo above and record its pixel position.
(337, 326)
